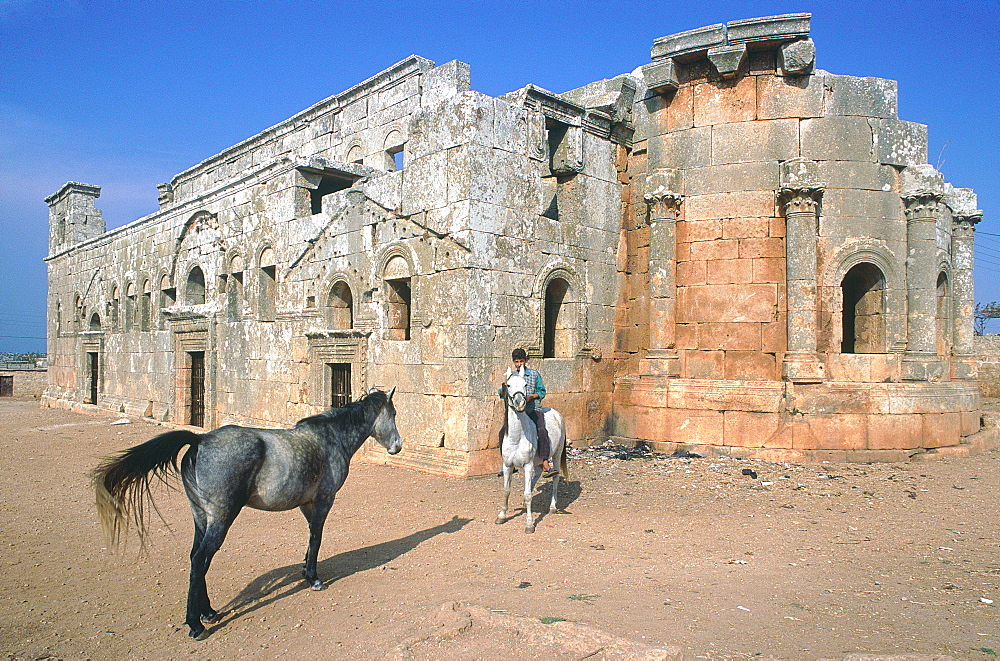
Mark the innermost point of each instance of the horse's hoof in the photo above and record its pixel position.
(209, 616)
(529, 529)
(500, 520)
(196, 631)
(316, 585)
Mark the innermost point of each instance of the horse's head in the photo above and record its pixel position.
(516, 388)
(384, 431)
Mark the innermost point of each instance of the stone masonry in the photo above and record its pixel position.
(726, 249)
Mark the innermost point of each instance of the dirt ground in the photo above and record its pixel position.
(688, 556)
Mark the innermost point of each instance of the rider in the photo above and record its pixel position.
(535, 391)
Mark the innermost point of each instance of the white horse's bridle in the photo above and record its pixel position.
(516, 387)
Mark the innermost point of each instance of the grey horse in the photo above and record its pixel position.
(232, 467)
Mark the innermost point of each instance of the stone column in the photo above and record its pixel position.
(923, 208)
(963, 227)
(800, 195)
(664, 204)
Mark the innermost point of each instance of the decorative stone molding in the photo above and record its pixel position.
(663, 204)
(922, 204)
(801, 199)
(165, 194)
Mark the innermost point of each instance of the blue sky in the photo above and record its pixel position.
(126, 94)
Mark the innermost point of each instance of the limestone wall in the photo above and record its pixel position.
(26, 383)
(988, 359)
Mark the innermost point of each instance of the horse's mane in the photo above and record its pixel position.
(355, 413)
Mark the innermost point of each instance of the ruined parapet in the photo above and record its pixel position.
(72, 215)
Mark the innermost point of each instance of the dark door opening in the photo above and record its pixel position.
(340, 384)
(93, 373)
(6, 386)
(197, 359)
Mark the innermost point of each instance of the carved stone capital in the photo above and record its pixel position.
(800, 198)
(966, 222)
(663, 204)
(922, 203)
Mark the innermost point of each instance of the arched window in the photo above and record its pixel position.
(268, 283)
(340, 307)
(393, 150)
(194, 292)
(95, 322)
(234, 290)
(864, 311)
(354, 155)
(556, 340)
(131, 302)
(943, 315)
(113, 308)
(145, 306)
(168, 297)
(398, 295)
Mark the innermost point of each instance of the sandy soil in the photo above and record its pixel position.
(800, 562)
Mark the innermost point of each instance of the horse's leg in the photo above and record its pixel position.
(530, 478)
(315, 513)
(198, 605)
(502, 516)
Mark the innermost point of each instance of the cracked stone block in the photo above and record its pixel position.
(837, 139)
(797, 57)
(728, 59)
(800, 172)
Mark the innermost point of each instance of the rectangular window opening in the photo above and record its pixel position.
(327, 186)
(340, 384)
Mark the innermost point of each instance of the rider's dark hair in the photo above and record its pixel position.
(518, 354)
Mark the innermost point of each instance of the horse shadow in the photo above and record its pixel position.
(286, 581)
(569, 492)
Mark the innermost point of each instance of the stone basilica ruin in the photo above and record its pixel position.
(727, 250)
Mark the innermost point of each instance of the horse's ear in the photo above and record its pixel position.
(520, 370)
(372, 391)
(507, 373)
(392, 392)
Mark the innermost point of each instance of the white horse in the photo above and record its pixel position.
(520, 446)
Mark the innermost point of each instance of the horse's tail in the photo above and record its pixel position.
(563, 462)
(121, 483)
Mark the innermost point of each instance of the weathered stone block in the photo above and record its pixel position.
(725, 101)
(922, 177)
(797, 58)
(901, 143)
(749, 429)
(941, 429)
(660, 76)
(888, 432)
(699, 230)
(751, 366)
(771, 140)
(839, 432)
(730, 337)
(749, 204)
(780, 96)
(727, 60)
(857, 175)
(864, 97)
(728, 271)
(844, 204)
(688, 41)
(837, 139)
(781, 27)
(678, 111)
(715, 250)
(735, 177)
(712, 303)
(690, 148)
(751, 248)
(694, 426)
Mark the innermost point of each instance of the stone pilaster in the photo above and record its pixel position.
(963, 227)
(663, 202)
(802, 363)
(923, 208)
